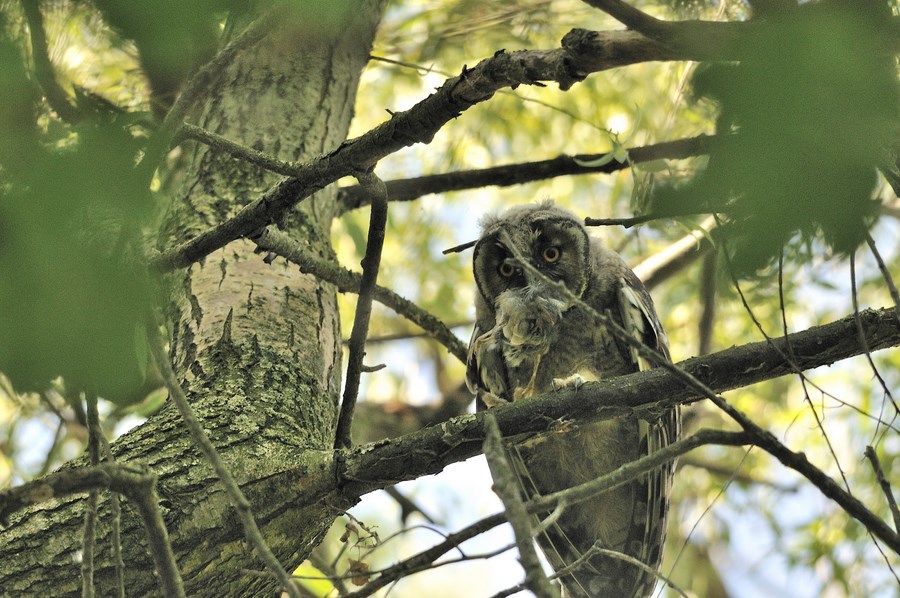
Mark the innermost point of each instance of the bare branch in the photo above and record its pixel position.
(567, 497)
(43, 68)
(708, 301)
(583, 52)
(425, 559)
(631, 17)
(278, 242)
(659, 267)
(146, 500)
(885, 485)
(238, 500)
(885, 273)
(241, 152)
(520, 173)
(597, 548)
(370, 264)
(507, 488)
(369, 467)
(88, 542)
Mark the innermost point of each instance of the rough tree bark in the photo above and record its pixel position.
(257, 346)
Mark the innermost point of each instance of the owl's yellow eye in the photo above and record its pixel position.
(506, 269)
(552, 255)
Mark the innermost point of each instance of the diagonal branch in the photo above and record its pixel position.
(201, 439)
(280, 243)
(507, 488)
(43, 67)
(630, 471)
(583, 52)
(429, 450)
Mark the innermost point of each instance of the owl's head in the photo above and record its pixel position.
(551, 238)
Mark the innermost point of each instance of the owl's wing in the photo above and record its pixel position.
(649, 526)
(647, 529)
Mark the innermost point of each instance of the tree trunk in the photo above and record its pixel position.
(256, 346)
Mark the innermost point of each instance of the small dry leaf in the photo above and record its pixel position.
(349, 529)
(360, 572)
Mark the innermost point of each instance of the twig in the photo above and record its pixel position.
(145, 498)
(197, 85)
(352, 197)
(510, 591)
(631, 471)
(424, 559)
(115, 508)
(137, 483)
(708, 289)
(615, 554)
(872, 456)
(730, 473)
(407, 506)
(636, 220)
(357, 344)
(403, 336)
(507, 489)
(90, 505)
(688, 36)
(855, 301)
(43, 68)
(238, 500)
(885, 273)
(623, 475)
(632, 18)
(460, 248)
(660, 266)
(280, 243)
(242, 152)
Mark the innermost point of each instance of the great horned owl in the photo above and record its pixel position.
(530, 337)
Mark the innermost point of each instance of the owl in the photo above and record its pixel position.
(531, 337)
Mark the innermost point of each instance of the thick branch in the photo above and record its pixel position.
(431, 449)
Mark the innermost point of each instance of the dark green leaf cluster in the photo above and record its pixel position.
(73, 290)
(805, 117)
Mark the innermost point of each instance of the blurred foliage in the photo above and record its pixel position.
(172, 38)
(71, 302)
(807, 115)
(805, 119)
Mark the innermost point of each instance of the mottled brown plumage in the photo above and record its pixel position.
(530, 338)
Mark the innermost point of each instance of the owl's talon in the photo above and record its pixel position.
(575, 381)
(491, 400)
